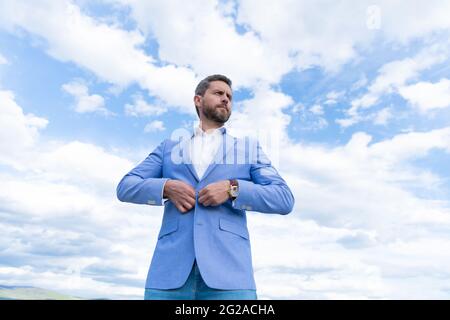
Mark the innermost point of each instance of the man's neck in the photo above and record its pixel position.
(208, 126)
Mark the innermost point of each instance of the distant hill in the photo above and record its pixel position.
(31, 293)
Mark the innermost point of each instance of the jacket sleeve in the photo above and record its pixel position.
(267, 192)
(144, 184)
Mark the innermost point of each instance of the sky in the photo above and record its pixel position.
(350, 100)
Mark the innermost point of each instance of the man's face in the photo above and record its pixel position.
(215, 105)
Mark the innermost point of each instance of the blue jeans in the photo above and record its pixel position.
(196, 289)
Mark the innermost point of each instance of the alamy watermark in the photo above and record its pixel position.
(260, 147)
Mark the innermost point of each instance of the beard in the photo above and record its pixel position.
(216, 114)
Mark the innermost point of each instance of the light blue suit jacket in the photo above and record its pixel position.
(217, 237)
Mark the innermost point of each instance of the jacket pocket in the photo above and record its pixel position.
(168, 227)
(233, 227)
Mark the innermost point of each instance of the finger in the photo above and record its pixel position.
(180, 207)
(207, 201)
(187, 206)
(202, 199)
(203, 191)
(190, 192)
(190, 196)
(192, 202)
(213, 203)
(182, 187)
(189, 199)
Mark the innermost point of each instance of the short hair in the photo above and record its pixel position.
(204, 85)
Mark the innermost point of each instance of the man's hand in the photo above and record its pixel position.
(214, 194)
(181, 194)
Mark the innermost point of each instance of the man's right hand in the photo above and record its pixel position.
(181, 194)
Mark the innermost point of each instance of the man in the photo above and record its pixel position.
(203, 249)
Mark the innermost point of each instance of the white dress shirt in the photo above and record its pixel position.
(204, 146)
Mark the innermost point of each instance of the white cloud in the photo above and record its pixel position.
(59, 215)
(63, 234)
(410, 145)
(142, 108)
(155, 125)
(355, 207)
(84, 101)
(426, 95)
(391, 77)
(345, 123)
(333, 97)
(307, 119)
(382, 117)
(114, 55)
(18, 131)
(317, 109)
(396, 73)
(370, 186)
(76, 161)
(204, 37)
(81, 163)
(362, 82)
(403, 22)
(73, 36)
(297, 28)
(265, 112)
(402, 269)
(3, 60)
(308, 41)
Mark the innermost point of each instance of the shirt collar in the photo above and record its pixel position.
(218, 131)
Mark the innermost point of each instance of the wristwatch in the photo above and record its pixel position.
(234, 189)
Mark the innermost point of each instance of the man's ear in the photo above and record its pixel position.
(197, 100)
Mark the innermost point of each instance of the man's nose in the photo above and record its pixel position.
(225, 100)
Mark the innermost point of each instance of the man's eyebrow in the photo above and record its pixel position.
(222, 91)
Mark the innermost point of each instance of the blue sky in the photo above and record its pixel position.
(358, 96)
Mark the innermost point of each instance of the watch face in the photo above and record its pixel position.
(234, 191)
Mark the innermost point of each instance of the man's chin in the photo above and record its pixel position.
(218, 117)
(223, 119)
(221, 122)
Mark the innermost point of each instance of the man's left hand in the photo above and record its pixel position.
(214, 194)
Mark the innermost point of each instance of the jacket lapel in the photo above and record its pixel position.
(187, 159)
